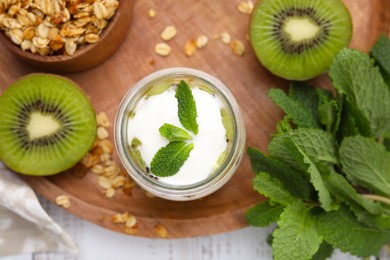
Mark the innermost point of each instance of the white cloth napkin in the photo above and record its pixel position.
(25, 227)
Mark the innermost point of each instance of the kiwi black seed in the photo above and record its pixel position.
(47, 125)
(297, 39)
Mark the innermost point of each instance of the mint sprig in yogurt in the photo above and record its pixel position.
(169, 159)
(183, 131)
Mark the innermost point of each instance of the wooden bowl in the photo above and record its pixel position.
(87, 56)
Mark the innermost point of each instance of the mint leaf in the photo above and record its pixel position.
(324, 252)
(343, 190)
(307, 96)
(295, 110)
(272, 188)
(341, 229)
(352, 121)
(326, 200)
(329, 111)
(297, 236)
(294, 181)
(174, 133)
(377, 221)
(158, 89)
(366, 163)
(263, 214)
(227, 123)
(381, 53)
(316, 146)
(284, 125)
(354, 75)
(282, 147)
(135, 153)
(316, 143)
(186, 107)
(313, 146)
(169, 159)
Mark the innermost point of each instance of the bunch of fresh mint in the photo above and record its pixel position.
(327, 172)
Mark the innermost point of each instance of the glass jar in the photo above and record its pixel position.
(141, 175)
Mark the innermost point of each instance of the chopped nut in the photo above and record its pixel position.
(118, 218)
(106, 146)
(104, 157)
(161, 230)
(97, 150)
(131, 230)
(40, 42)
(238, 47)
(151, 13)
(102, 133)
(245, 7)
(110, 192)
(92, 38)
(102, 120)
(131, 221)
(89, 160)
(100, 10)
(225, 37)
(43, 31)
(63, 201)
(118, 182)
(190, 48)
(53, 34)
(26, 45)
(168, 33)
(104, 182)
(162, 49)
(16, 36)
(111, 171)
(70, 46)
(202, 41)
(98, 169)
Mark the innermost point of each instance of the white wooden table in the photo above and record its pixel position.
(97, 243)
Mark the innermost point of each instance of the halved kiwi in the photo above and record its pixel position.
(47, 125)
(297, 39)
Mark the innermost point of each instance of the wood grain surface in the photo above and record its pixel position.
(106, 84)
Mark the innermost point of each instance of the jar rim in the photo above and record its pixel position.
(180, 192)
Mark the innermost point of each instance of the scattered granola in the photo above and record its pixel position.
(55, 27)
(224, 37)
(102, 120)
(190, 48)
(162, 49)
(98, 160)
(238, 47)
(245, 7)
(129, 220)
(202, 41)
(168, 33)
(161, 230)
(102, 133)
(152, 13)
(63, 201)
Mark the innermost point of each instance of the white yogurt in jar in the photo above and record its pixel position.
(152, 112)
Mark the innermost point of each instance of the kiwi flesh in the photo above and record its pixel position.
(297, 39)
(47, 125)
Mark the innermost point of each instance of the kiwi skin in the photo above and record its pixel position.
(68, 150)
(301, 62)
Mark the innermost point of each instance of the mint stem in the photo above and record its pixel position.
(377, 198)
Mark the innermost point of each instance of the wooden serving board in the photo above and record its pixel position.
(248, 80)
